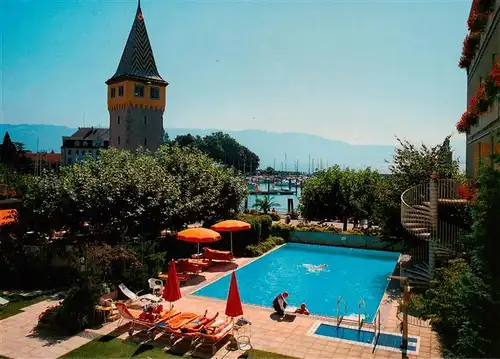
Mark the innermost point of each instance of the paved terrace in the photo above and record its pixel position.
(287, 337)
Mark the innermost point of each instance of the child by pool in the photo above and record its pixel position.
(302, 310)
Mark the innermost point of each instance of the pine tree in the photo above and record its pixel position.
(8, 152)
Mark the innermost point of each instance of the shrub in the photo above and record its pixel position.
(257, 250)
(281, 230)
(275, 216)
(261, 225)
(75, 313)
(293, 215)
(314, 228)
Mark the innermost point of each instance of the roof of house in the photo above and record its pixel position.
(137, 61)
(90, 133)
(45, 157)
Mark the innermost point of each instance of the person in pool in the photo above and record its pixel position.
(302, 310)
(279, 303)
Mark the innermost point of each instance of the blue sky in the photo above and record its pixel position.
(359, 71)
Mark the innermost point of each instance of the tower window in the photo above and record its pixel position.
(118, 139)
(113, 92)
(145, 141)
(118, 119)
(120, 91)
(154, 93)
(145, 120)
(139, 91)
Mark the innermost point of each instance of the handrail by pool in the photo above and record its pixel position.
(339, 317)
(360, 320)
(375, 331)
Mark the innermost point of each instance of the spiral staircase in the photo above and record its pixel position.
(419, 216)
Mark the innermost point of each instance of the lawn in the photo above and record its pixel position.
(112, 347)
(17, 303)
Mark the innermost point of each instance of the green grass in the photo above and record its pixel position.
(112, 347)
(16, 305)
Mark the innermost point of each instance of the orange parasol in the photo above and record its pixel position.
(198, 235)
(233, 305)
(7, 216)
(231, 226)
(172, 290)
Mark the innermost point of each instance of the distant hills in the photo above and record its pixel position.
(271, 147)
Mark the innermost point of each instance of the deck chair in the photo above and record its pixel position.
(133, 296)
(3, 302)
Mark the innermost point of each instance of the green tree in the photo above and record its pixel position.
(265, 204)
(224, 149)
(124, 195)
(8, 152)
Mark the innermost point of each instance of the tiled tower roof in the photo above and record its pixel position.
(137, 59)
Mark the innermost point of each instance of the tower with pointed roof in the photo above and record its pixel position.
(136, 94)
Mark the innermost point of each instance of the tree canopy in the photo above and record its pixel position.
(124, 195)
(224, 149)
(336, 193)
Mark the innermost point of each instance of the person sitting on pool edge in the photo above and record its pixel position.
(302, 310)
(279, 303)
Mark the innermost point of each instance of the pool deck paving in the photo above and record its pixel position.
(287, 337)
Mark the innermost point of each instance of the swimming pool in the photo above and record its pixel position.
(350, 272)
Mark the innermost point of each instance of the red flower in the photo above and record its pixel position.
(464, 62)
(495, 72)
(465, 192)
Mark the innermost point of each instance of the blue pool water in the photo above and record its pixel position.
(364, 336)
(352, 273)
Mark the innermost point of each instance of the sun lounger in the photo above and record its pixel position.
(3, 302)
(133, 296)
(183, 277)
(215, 333)
(183, 266)
(177, 322)
(198, 325)
(133, 316)
(212, 254)
(203, 263)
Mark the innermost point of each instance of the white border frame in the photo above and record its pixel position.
(315, 326)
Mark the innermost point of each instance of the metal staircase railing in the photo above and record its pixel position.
(420, 218)
(340, 317)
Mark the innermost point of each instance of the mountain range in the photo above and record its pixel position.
(279, 150)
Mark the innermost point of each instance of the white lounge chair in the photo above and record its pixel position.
(3, 302)
(133, 296)
(156, 285)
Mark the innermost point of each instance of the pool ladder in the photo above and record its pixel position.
(340, 317)
(361, 304)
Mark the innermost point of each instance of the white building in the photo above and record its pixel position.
(86, 141)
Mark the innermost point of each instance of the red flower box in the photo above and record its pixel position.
(464, 192)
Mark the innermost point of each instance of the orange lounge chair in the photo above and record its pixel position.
(212, 254)
(211, 335)
(183, 277)
(177, 322)
(203, 263)
(183, 266)
(198, 324)
(133, 316)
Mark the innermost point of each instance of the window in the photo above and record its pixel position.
(84, 143)
(69, 152)
(118, 139)
(113, 92)
(154, 93)
(118, 119)
(77, 152)
(145, 120)
(145, 142)
(139, 91)
(120, 91)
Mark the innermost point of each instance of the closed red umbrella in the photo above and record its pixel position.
(233, 305)
(172, 290)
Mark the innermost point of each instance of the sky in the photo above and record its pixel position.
(357, 71)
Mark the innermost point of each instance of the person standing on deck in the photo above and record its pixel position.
(279, 303)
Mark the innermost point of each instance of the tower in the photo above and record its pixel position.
(136, 94)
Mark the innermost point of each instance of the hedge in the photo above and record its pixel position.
(261, 225)
(259, 249)
(282, 230)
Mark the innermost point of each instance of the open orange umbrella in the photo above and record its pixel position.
(172, 290)
(198, 235)
(233, 304)
(231, 226)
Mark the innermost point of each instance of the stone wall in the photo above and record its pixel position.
(344, 240)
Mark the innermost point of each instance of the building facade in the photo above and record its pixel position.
(87, 141)
(136, 94)
(484, 137)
